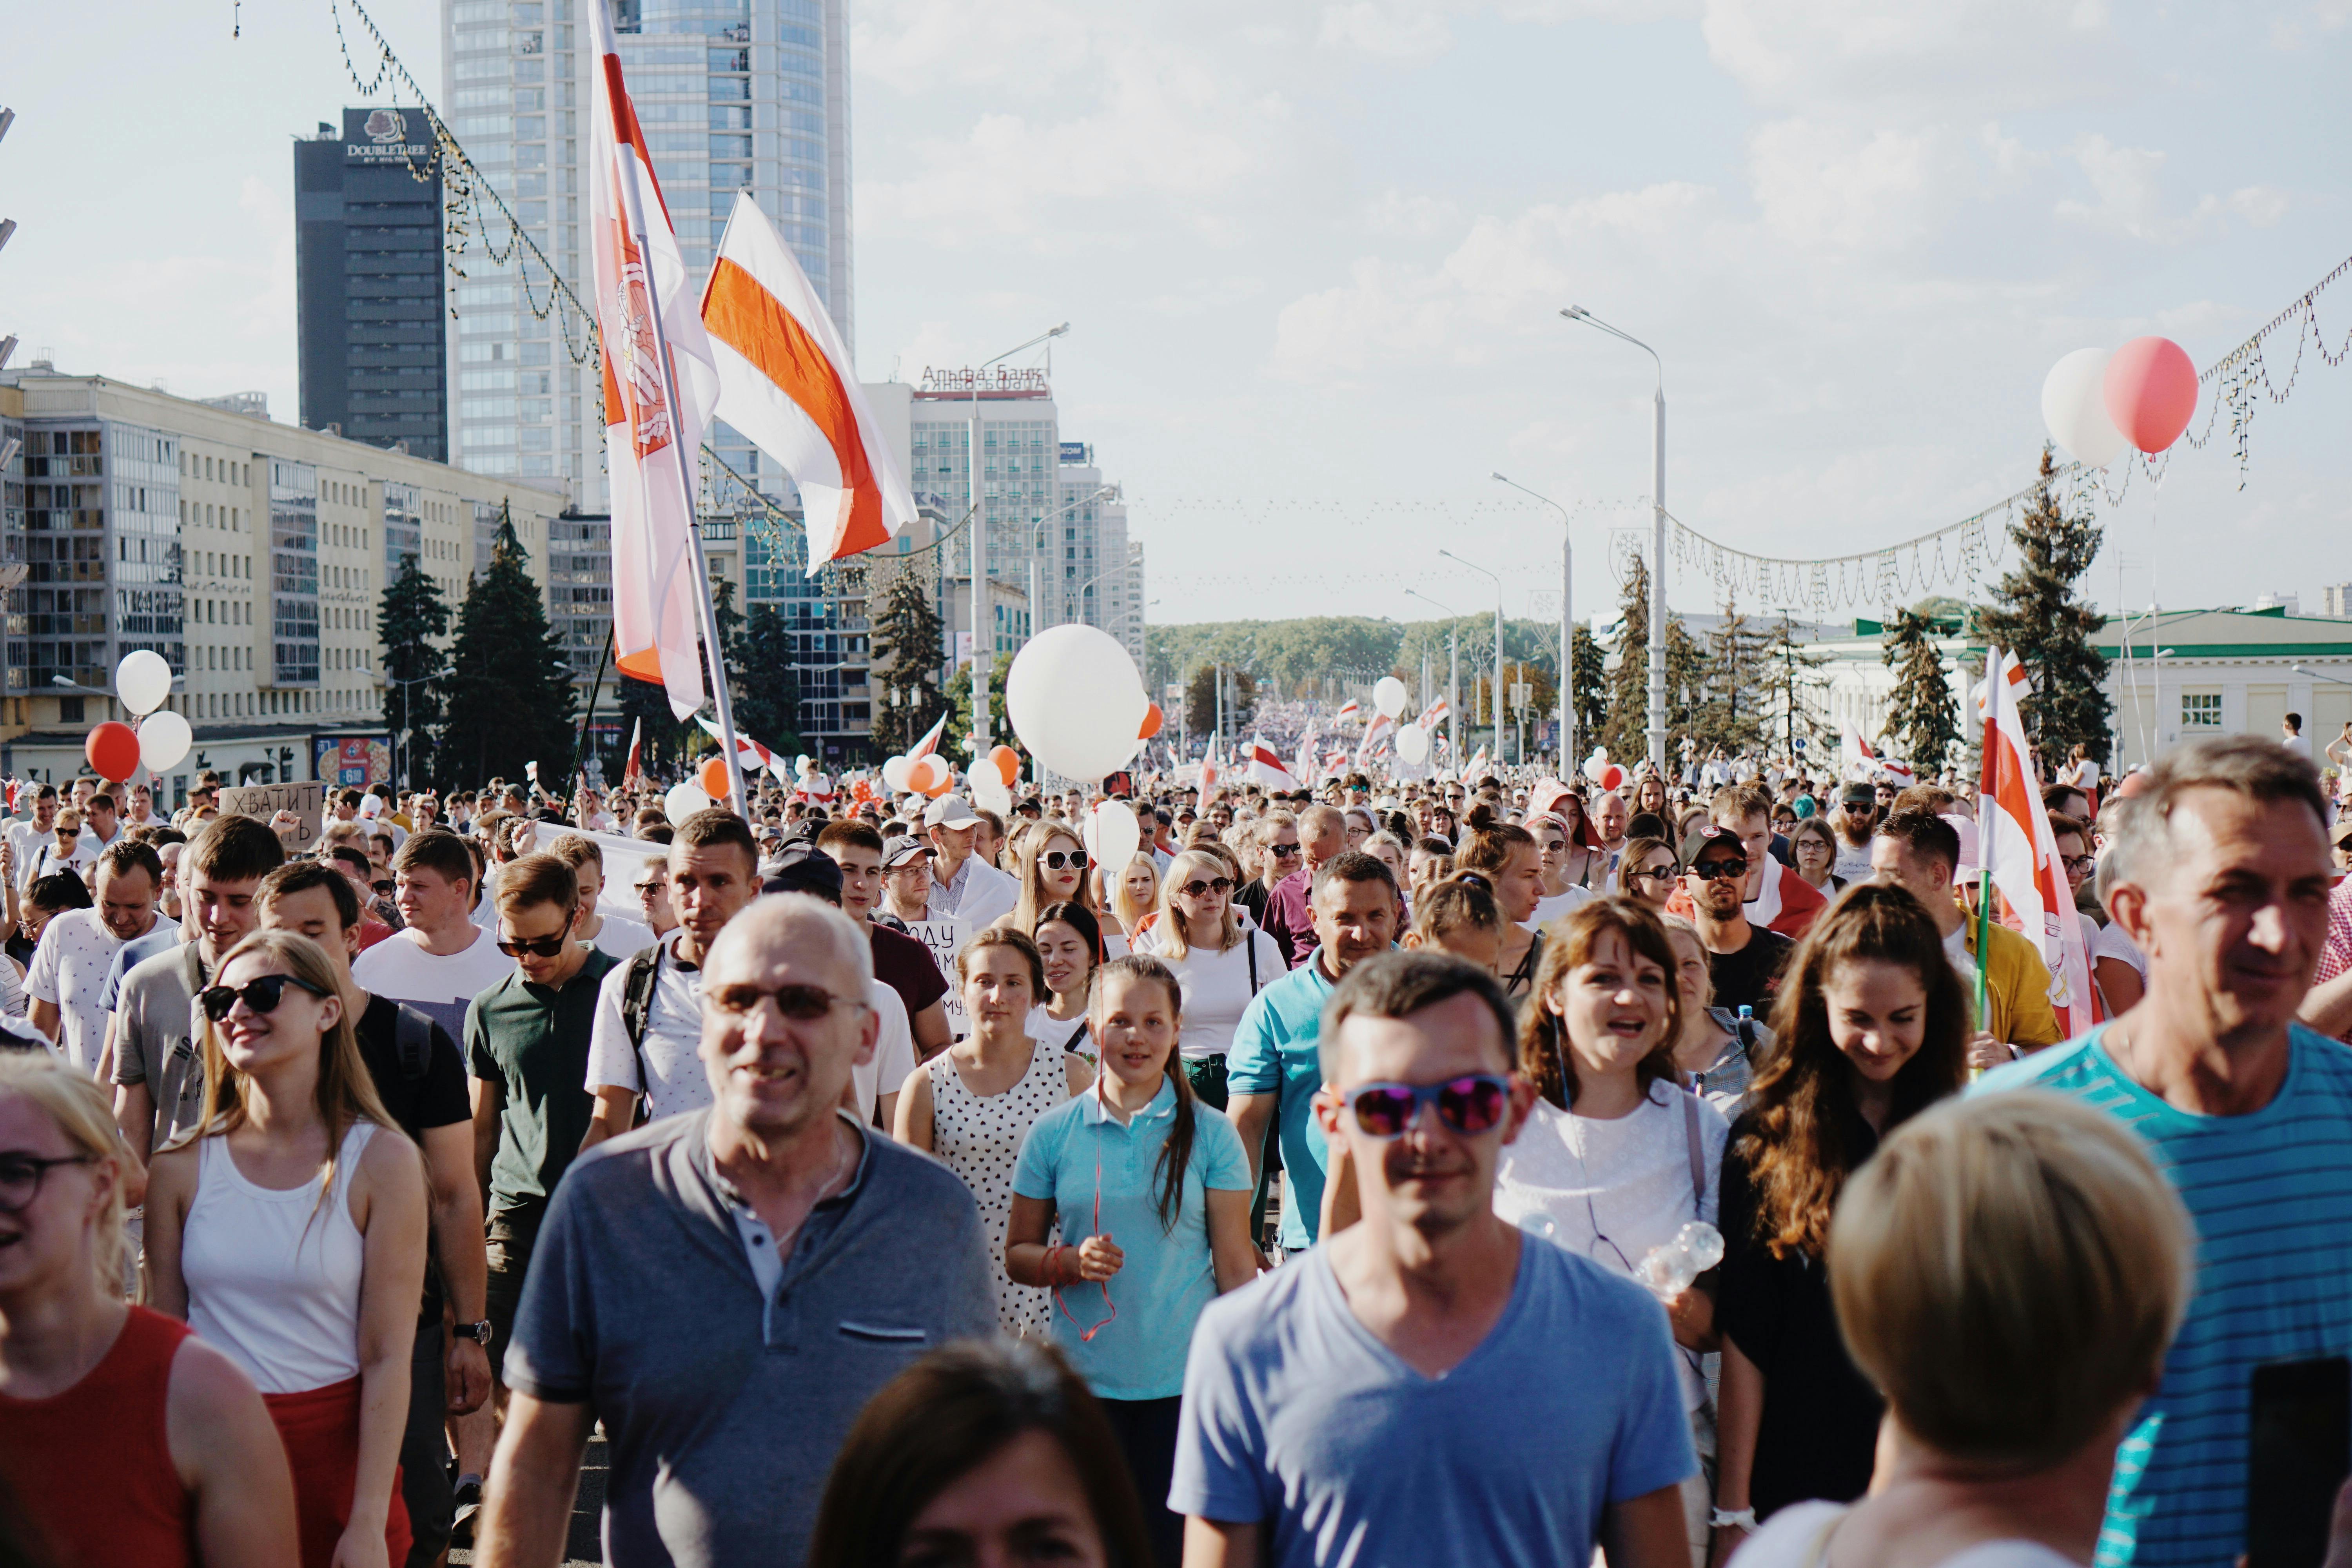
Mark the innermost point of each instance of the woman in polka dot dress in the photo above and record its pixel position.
(973, 1103)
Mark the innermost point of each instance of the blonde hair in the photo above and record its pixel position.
(1173, 940)
(74, 1101)
(2009, 1270)
(1034, 897)
(1124, 904)
(345, 1094)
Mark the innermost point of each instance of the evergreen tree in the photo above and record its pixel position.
(409, 616)
(1687, 670)
(1732, 712)
(1626, 733)
(1794, 685)
(766, 691)
(956, 742)
(2038, 614)
(1201, 700)
(907, 657)
(1922, 710)
(1589, 694)
(510, 695)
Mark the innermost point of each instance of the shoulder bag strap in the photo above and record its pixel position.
(1249, 945)
(1690, 1142)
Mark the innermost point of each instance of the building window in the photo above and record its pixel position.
(2200, 710)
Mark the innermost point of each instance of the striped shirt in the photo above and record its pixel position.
(2270, 1194)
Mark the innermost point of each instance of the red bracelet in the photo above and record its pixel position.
(1050, 1265)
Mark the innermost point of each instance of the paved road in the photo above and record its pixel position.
(585, 1548)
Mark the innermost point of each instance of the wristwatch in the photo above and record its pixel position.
(478, 1332)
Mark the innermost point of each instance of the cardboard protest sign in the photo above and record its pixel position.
(944, 937)
(306, 802)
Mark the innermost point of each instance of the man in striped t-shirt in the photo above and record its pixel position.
(2221, 874)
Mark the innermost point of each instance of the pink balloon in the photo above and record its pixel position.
(2151, 391)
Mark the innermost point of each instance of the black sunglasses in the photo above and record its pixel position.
(801, 1003)
(537, 946)
(1055, 859)
(260, 995)
(1470, 1105)
(1283, 851)
(1220, 885)
(1721, 869)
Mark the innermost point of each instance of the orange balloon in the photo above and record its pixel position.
(922, 774)
(713, 777)
(1008, 763)
(1152, 719)
(947, 781)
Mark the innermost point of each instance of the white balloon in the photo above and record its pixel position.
(990, 792)
(163, 738)
(2074, 407)
(683, 801)
(144, 679)
(1389, 696)
(1113, 835)
(1076, 700)
(1413, 744)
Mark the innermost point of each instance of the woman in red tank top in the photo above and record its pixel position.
(123, 1440)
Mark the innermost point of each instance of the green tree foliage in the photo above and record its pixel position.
(1732, 712)
(959, 694)
(1922, 710)
(2037, 613)
(1795, 689)
(1294, 657)
(409, 616)
(1626, 732)
(1201, 700)
(907, 657)
(1687, 694)
(510, 698)
(1590, 694)
(762, 679)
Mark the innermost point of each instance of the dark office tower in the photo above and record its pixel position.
(368, 275)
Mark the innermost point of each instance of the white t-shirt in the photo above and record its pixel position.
(1851, 865)
(623, 938)
(672, 1045)
(440, 987)
(28, 842)
(2113, 942)
(1217, 991)
(2299, 744)
(894, 1051)
(1625, 1180)
(1551, 906)
(68, 971)
(1069, 1034)
(1790, 1538)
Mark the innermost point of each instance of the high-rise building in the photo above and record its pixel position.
(1089, 540)
(734, 95)
(368, 282)
(1020, 491)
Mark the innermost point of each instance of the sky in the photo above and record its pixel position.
(1312, 256)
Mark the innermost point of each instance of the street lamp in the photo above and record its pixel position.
(1037, 538)
(983, 658)
(2157, 659)
(1498, 679)
(1567, 626)
(407, 728)
(1453, 676)
(1657, 536)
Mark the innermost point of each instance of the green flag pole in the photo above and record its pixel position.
(1984, 935)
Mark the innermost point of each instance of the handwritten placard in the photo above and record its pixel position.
(306, 802)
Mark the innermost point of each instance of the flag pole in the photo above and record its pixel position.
(1988, 784)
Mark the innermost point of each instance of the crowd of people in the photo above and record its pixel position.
(1477, 1170)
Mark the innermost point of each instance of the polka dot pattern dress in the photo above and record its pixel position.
(979, 1137)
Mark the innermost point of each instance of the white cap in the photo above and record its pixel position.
(1966, 826)
(949, 811)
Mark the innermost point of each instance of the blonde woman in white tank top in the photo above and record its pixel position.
(289, 1229)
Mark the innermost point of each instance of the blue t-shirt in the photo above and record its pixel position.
(1295, 1416)
(2270, 1194)
(1274, 1049)
(131, 955)
(1167, 1276)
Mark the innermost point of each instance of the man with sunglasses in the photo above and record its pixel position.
(1271, 854)
(1744, 960)
(725, 1291)
(1854, 820)
(1322, 833)
(1371, 1392)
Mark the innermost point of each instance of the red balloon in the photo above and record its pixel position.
(2151, 391)
(113, 751)
(1152, 719)
(713, 777)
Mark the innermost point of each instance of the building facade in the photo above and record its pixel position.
(250, 555)
(734, 95)
(1020, 493)
(369, 283)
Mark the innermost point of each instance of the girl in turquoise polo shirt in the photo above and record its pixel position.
(1153, 1189)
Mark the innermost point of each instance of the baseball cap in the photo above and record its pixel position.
(899, 852)
(949, 811)
(1859, 794)
(1708, 833)
(803, 868)
(1966, 828)
(2341, 831)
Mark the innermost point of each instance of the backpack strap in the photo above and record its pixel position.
(1690, 1142)
(1249, 945)
(412, 1041)
(637, 1006)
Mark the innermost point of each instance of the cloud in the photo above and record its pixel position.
(1397, 30)
(1915, 59)
(1405, 215)
(2127, 181)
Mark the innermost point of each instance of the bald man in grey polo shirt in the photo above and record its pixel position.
(726, 1288)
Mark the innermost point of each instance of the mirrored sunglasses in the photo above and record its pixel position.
(1470, 1105)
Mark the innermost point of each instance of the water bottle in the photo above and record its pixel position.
(1668, 1270)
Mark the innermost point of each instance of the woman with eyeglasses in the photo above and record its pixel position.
(1152, 1194)
(288, 1229)
(1649, 873)
(124, 1438)
(46, 899)
(1360, 826)
(1219, 962)
(1872, 1026)
(1617, 1156)
(63, 855)
(1814, 849)
(1070, 943)
(973, 1103)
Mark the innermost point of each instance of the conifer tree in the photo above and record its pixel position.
(1587, 692)
(511, 697)
(1922, 711)
(2038, 613)
(906, 660)
(956, 742)
(1687, 707)
(409, 616)
(1794, 685)
(1626, 733)
(1731, 713)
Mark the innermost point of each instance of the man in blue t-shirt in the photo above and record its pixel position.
(1271, 1070)
(2220, 873)
(1430, 1385)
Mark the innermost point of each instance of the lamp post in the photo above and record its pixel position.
(2157, 660)
(1567, 626)
(1498, 678)
(983, 655)
(408, 725)
(1037, 537)
(1657, 536)
(1453, 676)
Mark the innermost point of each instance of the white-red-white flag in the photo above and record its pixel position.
(1856, 761)
(1302, 765)
(786, 381)
(930, 742)
(2014, 840)
(1434, 714)
(1382, 728)
(632, 771)
(645, 314)
(1264, 767)
(1352, 711)
(748, 752)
